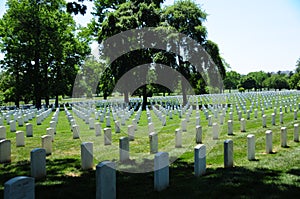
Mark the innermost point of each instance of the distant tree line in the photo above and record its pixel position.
(261, 80)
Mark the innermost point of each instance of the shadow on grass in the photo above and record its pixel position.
(65, 180)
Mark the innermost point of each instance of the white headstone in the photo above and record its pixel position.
(97, 129)
(50, 131)
(273, 119)
(130, 129)
(106, 180)
(12, 125)
(107, 136)
(243, 125)
(161, 171)
(29, 130)
(184, 125)
(283, 137)
(200, 159)
(87, 159)
(20, 138)
(264, 121)
(38, 163)
(228, 153)
(91, 123)
(76, 131)
(47, 144)
(178, 138)
(198, 134)
(215, 131)
(124, 149)
(117, 127)
(153, 138)
(230, 127)
(150, 128)
(251, 147)
(5, 151)
(296, 132)
(2, 132)
(19, 187)
(268, 141)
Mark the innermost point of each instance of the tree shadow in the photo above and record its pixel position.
(236, 182)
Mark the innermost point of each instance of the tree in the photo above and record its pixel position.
(232, 80)
(187, 18)
(248, 83)
(259, 77)
(115, 17)
(41, 48)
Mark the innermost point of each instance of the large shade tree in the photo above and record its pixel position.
(41, 47)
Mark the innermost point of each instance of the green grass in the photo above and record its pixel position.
(274, 175)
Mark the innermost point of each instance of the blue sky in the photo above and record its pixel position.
(252, 35)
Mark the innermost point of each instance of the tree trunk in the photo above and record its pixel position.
(144, 105)
(47, 100)
(56, 101)
(126, 97)
(183, 86)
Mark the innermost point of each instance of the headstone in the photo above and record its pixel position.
(296, 132)
(215, 131)
(283, 137)
(198, 134)
(240, 115)
(87, 159)
(20, 140)
(230, 127)
(107, 136)
(76, 131)
(200, 159)
(153, 138)
(117, 127)
(273, 119)
(5, 151)
(221, 119)
(264, 121)
(243, 125)
(91, 123)
(248, 114)
(209, 120)
(295, 114)
(2, 132)
(134, 123)
(184, 125)
(163, 120)
(97, 129)
(124, 149)
(161, 171)
(20, 187)
(228, 153)
(47, 144)
(268, 141)
(50, 131)
(38, 163)
(12, 125)
(255, 113)
(29, 130)
(107, 118)
(53, 125)
(130, 132)
(150, 127)
(251, 147)
(20, 121)
(178, 138)
(106, 180)
(281, 117)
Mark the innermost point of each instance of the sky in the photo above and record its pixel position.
(252, 35)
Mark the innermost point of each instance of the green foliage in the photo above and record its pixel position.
(232, 80)
(241, 89)
(41, 47)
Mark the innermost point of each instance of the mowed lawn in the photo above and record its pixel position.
(274, 175)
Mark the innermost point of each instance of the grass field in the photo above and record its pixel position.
(274, 175)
